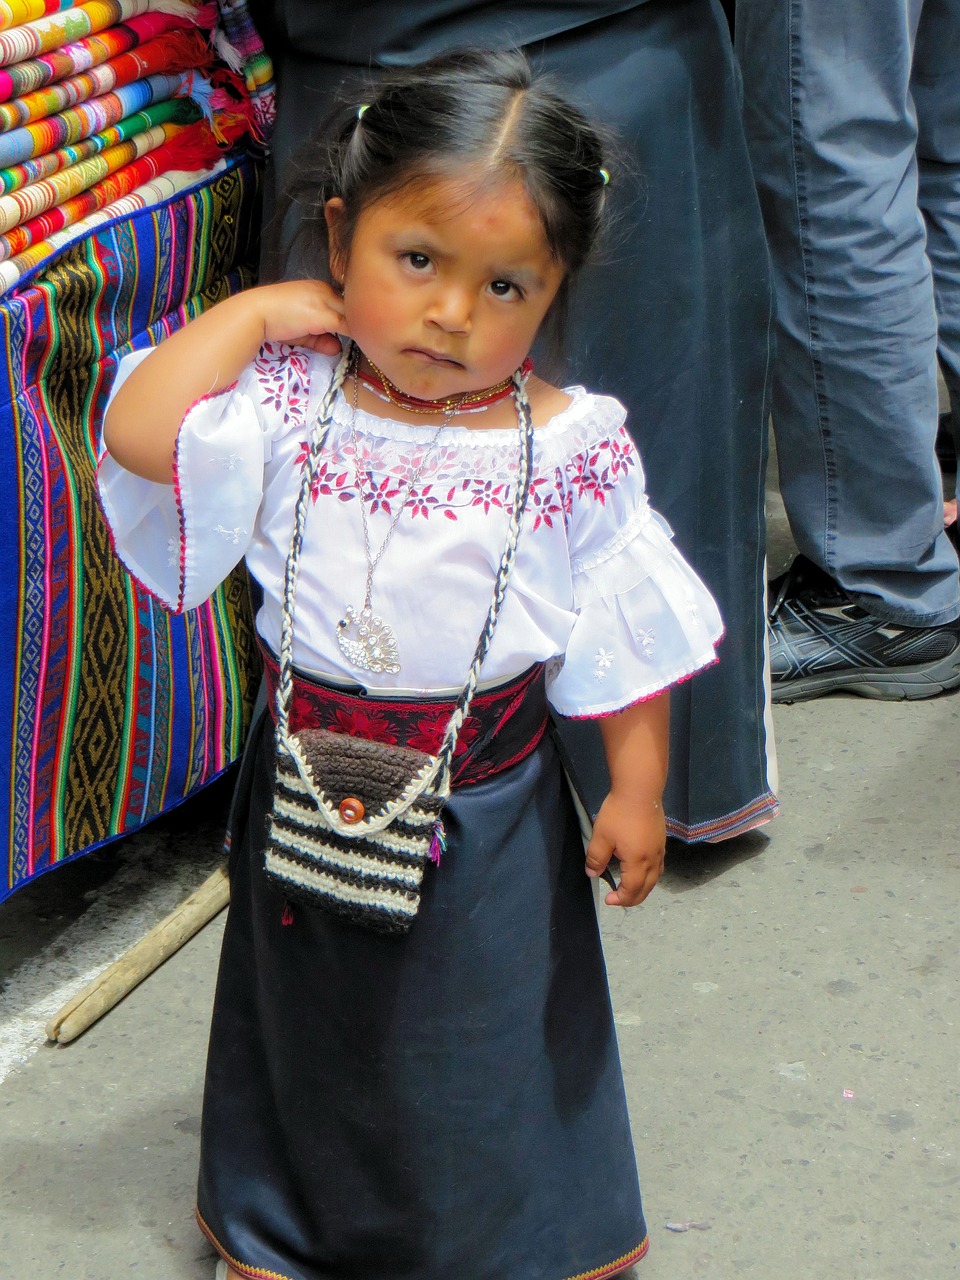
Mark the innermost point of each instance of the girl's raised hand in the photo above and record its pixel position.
(208, 355)
(633, 829)
(305, 313)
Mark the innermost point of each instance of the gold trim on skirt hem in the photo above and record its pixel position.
(599, 1273)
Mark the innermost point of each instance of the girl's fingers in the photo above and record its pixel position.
(598, 855)
(326, 344)
(635, 884)
(327, 325)
(304, 312)
(619, 898)
(622, 897)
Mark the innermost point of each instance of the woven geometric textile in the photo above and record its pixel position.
(111, 711)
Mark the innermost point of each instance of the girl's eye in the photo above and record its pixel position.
(504, 289)
(419, 261)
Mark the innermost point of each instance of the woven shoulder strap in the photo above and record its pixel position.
(318, 438)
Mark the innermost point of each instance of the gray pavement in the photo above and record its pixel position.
(787, 1007)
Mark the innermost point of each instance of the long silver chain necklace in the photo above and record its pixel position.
(366, 641)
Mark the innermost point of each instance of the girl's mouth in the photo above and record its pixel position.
(426, 356)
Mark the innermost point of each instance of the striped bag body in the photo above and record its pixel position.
(327, 840)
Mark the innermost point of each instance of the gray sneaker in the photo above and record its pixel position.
(821, 642)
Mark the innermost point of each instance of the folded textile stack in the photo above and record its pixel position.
(130, 132)
(100, 101)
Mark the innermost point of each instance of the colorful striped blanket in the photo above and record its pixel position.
(111, 711)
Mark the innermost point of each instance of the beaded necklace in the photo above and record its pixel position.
(466, 402)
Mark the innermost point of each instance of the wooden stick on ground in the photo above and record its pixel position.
(120, 978)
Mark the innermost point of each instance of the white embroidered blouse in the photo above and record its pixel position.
(598, 589)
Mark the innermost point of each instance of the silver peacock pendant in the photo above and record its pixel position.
(367, 642)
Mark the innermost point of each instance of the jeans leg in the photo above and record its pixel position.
(936, 92)
(833, 136)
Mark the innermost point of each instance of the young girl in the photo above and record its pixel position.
(445, 1102)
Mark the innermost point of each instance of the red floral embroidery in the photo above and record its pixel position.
(591, 474)
(468, 735)
(380, 495)
(623, 455)
(486, 494)
(282, 374)
(422, 501)
(597, 471)
(545, 501)
(427, 733)
(326, 481)
(360, 723)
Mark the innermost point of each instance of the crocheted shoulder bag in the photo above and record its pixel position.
(354, 822)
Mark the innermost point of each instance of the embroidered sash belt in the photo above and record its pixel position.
(504, 726)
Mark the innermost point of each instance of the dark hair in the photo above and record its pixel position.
(469, 107)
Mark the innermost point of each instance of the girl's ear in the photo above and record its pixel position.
(335, 213)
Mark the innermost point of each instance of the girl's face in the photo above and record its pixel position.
(445, 284)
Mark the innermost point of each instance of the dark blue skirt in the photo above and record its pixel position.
(448, 1103)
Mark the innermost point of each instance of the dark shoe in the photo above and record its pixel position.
(821, 642)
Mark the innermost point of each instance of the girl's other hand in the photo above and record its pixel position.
(633, 829)
(631, 823)
(305, 313)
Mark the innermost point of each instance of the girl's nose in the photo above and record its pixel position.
(451, 309)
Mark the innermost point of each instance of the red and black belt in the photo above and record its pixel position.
(504, 726)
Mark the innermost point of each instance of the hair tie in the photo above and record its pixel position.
(365, 107)
(604, 177)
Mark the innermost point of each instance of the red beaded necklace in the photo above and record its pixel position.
(468, 402)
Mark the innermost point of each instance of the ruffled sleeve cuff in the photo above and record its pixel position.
(180, 541)
(645, 622)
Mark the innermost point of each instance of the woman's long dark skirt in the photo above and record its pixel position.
(675, 323)
(444, 1104)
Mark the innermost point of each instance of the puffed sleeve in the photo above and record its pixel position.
(181, 540)
(645, 621)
